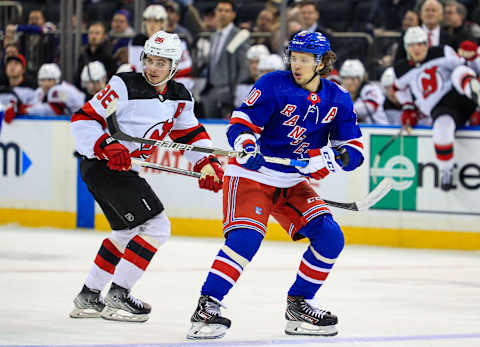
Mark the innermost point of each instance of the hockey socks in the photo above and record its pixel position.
(138, 254)
(239, 249)
(326, 243)
(104, 265)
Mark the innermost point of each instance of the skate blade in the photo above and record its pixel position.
(84, 313)
(111, 313)
(304, 328)
(200, 330)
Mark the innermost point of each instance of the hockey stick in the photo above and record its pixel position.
(118, 134)
(371, 199)
(382, 189)
(166, 168)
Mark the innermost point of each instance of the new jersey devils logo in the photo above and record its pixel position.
(156, 132)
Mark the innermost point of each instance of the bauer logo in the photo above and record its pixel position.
(14, 161)
(399, 161)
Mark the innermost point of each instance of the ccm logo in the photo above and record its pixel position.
(315, 198)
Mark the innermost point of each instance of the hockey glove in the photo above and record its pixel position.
(475, 119)
(468, 50)
(409, 116)
(14, 110)
(322, 162)
(212, 173)
(251, 158)
(118, 155)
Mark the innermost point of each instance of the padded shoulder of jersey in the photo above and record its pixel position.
(138, 88)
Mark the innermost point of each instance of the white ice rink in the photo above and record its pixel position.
(382, 296)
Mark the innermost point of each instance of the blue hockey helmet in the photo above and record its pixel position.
(309, 42)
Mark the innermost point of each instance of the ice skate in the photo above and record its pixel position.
(446, 179)
(120, 305)
(88, 304)
(305, 319)
(207, 323)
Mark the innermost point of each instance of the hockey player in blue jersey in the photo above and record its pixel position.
(294, 114)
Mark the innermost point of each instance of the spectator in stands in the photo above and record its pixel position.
(202, 44)
(154, 19)
(16, 89)
(455, 16)
(265, 23)
(410, 19)
(120, 27)
(431, 15)
(309, 16)
(226, 68)
(388, 15)
(173, 26)
(35, 43)
(98, 48)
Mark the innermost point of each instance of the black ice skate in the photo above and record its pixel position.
(305, 319)
(120, 305)
(446, 179)
(88, 304)
(207, 323)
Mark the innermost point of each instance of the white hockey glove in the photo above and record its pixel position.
(321, 163)
(251, 157)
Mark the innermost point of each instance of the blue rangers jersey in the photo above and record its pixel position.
(289, 120)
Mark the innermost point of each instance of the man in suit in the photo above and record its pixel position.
(226, 69)
(431, 15)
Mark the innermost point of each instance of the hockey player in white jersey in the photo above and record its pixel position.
(54, 97)
(391, 106)
(149, 105)
(93, 78)
(434, 82)
(155, 19)
(367, 97)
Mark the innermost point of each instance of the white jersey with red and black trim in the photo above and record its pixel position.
(425, 84)
(23, 94)
(141, 112)
(369, 104)
(62, 98)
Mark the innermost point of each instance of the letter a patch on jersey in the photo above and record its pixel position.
(330, 115)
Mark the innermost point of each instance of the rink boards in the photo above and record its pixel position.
(40, 186)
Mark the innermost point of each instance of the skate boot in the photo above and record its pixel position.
(475, 87)
(88, 304)
(120, 305)
(305, 319)
(207, 323)
(446, 179)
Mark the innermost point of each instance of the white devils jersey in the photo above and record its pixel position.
(427, 83)
(141, 112)
(369, 104)
(23, 94)
(62, 98)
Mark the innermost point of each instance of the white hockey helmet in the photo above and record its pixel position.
(49, 72)
(156, 12)
(388, 77)
(352, 68)
(165, 45)
(126, 68)
(270, 62)
(414, 35)
(93, 72)
(257, 51)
